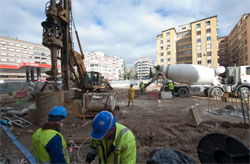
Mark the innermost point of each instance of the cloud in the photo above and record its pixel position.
(124, 28)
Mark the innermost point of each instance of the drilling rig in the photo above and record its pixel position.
(57, 36)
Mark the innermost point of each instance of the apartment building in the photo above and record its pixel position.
(166, 50)
(239, 41)
(194, 43)
(21, 60)
(142, 68)
(112, 68)
(223, 52)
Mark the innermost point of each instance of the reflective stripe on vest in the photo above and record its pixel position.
(123, 131)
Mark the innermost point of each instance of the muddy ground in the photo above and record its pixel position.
(155, 124)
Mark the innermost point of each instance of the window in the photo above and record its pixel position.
(169, 53)
(169, 59)
(248, 70)
(209, 61)
(198, 47)
(198, 40)
(168, 40)
(208, 30)
(161, 54)
(208, 38)
(207, 23)
(199, 62)
(3, 43)
(162, 60)
(161, 41)
(199, 55)
(208, 46)
(2, 53)
(198, 32)
(183, 28)
(222, 41)
(198, 25)
(161, 48)
(209, 54)
(3, 59)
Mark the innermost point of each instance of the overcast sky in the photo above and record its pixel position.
(124, 28)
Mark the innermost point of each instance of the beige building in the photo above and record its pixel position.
(239, 41)
(166, 47)
(195, 43)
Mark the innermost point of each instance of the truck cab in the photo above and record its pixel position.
(240, 74)
(238, 79)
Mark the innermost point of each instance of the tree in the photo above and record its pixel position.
(125, 71)
(151, 73)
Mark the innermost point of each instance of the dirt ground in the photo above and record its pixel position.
(155, 124)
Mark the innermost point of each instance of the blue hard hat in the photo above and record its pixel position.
(101, 124)
(58, 111)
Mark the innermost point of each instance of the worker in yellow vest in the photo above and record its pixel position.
(48, 144)
(112, 142)
(131, 95)
(171, 87)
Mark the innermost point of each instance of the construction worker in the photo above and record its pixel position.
(141, 87)
(171, 87)
(131, 94)
(48, 143)
(113, 142)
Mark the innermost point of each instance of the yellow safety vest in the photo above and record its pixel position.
(39, 141)
(170, 86)
(124, 151)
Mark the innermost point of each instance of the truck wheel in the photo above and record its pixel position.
(217, 92)
(244, 91)
(183, 92)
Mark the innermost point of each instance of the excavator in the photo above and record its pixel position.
(57, 36)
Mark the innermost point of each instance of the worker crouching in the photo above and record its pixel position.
(113, 142)
(48, 144)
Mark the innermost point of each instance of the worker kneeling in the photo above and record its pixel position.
(113, 142)
(48, 143)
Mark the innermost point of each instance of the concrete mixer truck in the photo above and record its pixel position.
(192, 77)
